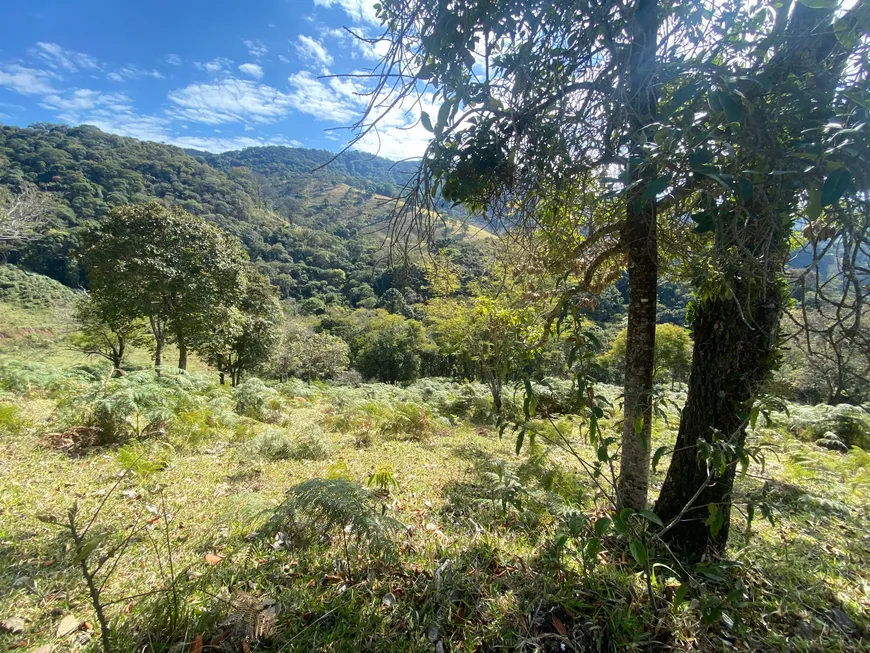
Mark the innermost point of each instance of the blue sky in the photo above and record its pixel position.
(206, 74)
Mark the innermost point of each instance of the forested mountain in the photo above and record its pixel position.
(315, 231)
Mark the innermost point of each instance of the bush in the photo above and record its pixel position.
(277, 444)
(11, 419)
(138, 404)
(30, 378)
(252, 398)
(851, 424)
(325, 506)
(145, 458)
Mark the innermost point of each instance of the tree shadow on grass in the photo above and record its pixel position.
(478, 598)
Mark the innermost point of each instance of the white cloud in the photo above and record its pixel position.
(334, 103)
(359, 10)
(283, 59)
(361, 39)
(58, 57)
(252, 70)
(313, 49)
(228, 101)
(218, 144)
(86, 100)
(342, 102)
(27, 81)
(399, 136)
(215, 66)
(133, 72)
(173, 59)
(111, 112)
(256, 48)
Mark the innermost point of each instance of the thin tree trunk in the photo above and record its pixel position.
(158, 354)
(221, 376)
(157, 330)
(182, 356)
(118, 356)
(639, 240)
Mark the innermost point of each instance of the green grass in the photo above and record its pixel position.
(479, 563)
(484, 573)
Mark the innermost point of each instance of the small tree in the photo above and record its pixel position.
(249, 334)
(171, 268)
(103, 335)
(673, 352)
(391, 348)
(312, 355)
(489, 336)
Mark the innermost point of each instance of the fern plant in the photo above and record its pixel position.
(505, 487)
(319, 506)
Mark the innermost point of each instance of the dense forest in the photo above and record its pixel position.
(591, 374)
(316, 233)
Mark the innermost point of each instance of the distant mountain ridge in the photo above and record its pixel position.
(306, 224)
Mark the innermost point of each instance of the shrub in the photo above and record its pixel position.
(409, 420)
(145, 458)
(11, 419)
(328, 506)
(276, 444)
(28, 378)
(134, 405)
(252, 398)
(851, 424)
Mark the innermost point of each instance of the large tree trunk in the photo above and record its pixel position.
(736, 330)
(639, 240)
(732, 358)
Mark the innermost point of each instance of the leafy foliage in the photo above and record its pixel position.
(183, 277)
(338, 505)
(309, 355)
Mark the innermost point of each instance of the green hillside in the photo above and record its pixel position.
(315, 231)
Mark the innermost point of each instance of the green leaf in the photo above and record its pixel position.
(649, 515)
(698, 159)
(638, 550)
(836, 185)
(427, 121)
(814, 201)
(681, 96)
(716, 519)
(88, 547)
(745, 189)
(657, 456)
(425, 72)
(732, 107)
(528, 407)
(845, 33)
(520, 436)
(593, 546)
(653, 188)
(444, 114)
(602, 525)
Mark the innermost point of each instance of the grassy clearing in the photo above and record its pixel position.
(236, 499)
(473, 567)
